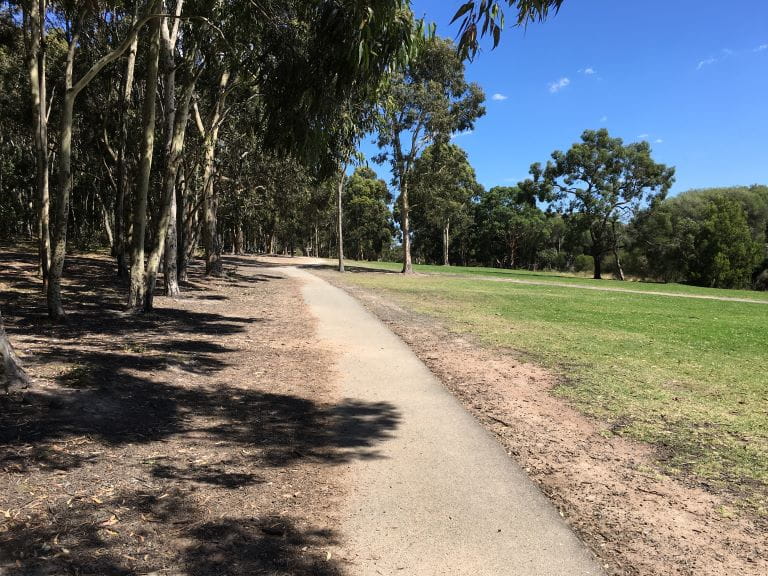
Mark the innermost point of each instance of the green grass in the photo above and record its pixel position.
(565, 278)
(689, 376)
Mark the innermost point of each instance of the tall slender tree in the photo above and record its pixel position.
(426, 103)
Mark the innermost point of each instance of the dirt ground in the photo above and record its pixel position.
(201, 439)
(637, 520)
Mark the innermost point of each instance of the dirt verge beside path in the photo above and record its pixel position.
(637, 520)
(200, 440)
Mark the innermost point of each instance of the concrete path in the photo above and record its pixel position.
(440, 496)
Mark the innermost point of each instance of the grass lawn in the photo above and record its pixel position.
(542, 276)
(689, 376)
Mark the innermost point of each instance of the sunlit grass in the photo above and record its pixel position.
(541, 276)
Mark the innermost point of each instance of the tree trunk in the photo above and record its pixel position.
(107, 223)
(340, 217)
(59, 247)
(446, 242)
(406, 226)
(137, 285)
(14, 376)
(598, 260)
(619, 269)
(175, 131)
(36, 68)
(182, 224)
(239, 244)
(121, 215)
(212, 248)
(210, 203)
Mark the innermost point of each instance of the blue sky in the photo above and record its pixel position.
(689, 76)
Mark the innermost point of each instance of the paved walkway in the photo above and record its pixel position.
(440, 496)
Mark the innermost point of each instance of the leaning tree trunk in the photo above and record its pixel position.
(619, 269)
(136, 290)
(13, 376)
(340, 218)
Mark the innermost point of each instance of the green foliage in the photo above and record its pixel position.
(443, 185)
(429, 100)
(679, 239)
(511, 228)
(601, 181)
(367, 219)
(487, 17)
(725, 253)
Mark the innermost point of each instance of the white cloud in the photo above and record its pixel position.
(761, 48)
(464, 133)
(499, 97)
(643, 136)
(588, 71)
(559, 85)
(659, 141)
(706, 62)
(603, 118)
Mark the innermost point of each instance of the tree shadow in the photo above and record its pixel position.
(123, 534)
(350, 268)
(123, 388)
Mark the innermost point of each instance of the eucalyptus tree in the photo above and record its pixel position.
(366, 211)
(77, 19)
(602, 181)
(478, 18)
(16, 141)
(34, 13)
(443, 186)
(137, 288)
(511, 227)
(425, 103)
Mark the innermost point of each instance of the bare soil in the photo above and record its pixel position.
(637, 520)
(201, 439)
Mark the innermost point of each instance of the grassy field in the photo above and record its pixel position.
(689, 376)
(564, 278)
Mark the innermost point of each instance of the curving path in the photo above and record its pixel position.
(440, 496)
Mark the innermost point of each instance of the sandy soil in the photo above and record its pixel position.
(637, 520)
(202, 439)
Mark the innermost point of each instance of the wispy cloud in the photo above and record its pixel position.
(761, 48)
(706, 62)
(603, 118)
(643, 136)
(499, 97)
(659, 141)
(559, 85)
(588, 71)
(463, 133)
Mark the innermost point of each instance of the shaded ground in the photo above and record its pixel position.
(638, 521)
(202, 439)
